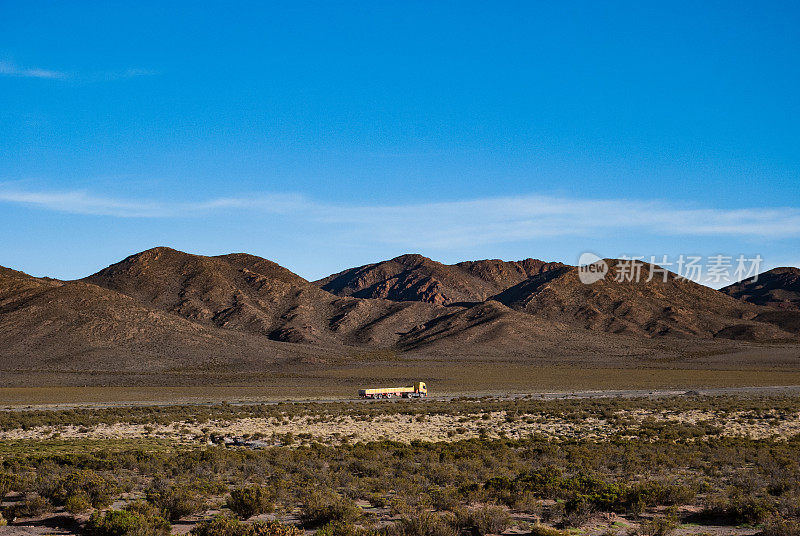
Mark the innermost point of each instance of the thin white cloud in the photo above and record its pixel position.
(9, 69)
(450, 224)
(495, 220)
(110, 76)
(80, 202)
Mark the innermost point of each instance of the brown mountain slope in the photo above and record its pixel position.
(675, 307)
(77, 327)
(16, 287)
(418, 278)
(253, 295)
(491, 329)
(779, 287)
(161, 313)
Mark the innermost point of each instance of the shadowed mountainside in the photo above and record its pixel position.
(654, 305)
(418, 278)
(779, 287)
(249, 294)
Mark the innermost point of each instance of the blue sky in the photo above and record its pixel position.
(331, 134)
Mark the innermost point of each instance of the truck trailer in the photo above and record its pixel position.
(418, 390)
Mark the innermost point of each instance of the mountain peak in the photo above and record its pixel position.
(791, 270)
(779, 287)
(413, 259)
(414, 277)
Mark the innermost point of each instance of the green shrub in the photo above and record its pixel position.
(740, 508)
(320, 509)
(486, 520)
(779, 526)
(659, 526)
(749, 509)
(593, 491)
(176, 500)
(144, 508)
(539, 529)
(128, 522)
(7, 483)
(443, 498)
(656, 493)
(251, 500)
(577, 512)
(77, 503)
(220, 526)
(338, 528)
(97, 490)
(230, 526)
(30, 507)
(528, 503)
(273, 528)
(422, 524)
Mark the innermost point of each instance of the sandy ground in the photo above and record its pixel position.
(451, 427)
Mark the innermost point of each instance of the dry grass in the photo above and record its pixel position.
(598, 465)
(455, 420)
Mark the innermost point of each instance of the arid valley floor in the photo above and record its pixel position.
(719, 461)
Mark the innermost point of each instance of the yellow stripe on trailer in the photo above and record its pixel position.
(381, 390)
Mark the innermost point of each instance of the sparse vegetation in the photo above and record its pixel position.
(643, 464)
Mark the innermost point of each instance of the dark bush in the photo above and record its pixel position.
(7, 484)
(656, 493)
(248, 501)
(77, 503)
(273, 528)
(659, 525)
(137, 520)
(220, 526)
(485, 520)
(231, 526)
(739, 508)
(422, 524)
(338, 528)
(97, 490)
(30, 507)
(176, 500)
(577, 512)
(320, 509)
(750, 510)
(543, 530)
(779, 526)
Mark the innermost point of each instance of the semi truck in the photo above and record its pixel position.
(418, 390)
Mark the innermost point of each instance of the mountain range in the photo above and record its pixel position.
(163, 311)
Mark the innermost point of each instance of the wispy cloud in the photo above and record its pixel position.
(9, 69)
(109, 76)
(81, 202)
(448, 224)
